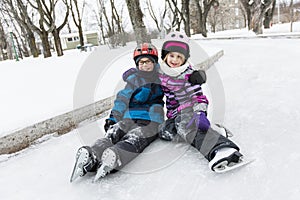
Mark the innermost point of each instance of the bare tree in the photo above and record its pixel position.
(159, 18)
(269, 15)
(158, 22)
(255, 12)
(45, 27)
(186, 16)
(21, 17)
(292, 15)
(176, 14)
(181, 15)
(111, 24)
(48, 10)
(101, 13)
(201, 14)
(77, 18)
(3, 42)
(116, 37)
(136, 17)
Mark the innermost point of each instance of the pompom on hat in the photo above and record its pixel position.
(176, 42)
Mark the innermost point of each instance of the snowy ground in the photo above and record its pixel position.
(261, 81)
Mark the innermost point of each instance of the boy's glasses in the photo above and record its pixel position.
(147, 62)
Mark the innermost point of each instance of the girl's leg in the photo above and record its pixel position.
(208, 143)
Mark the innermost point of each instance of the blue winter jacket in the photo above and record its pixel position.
(142, 97)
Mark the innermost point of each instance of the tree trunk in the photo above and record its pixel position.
(257, 21)
(45, 44)
(256, 12)
(18, 46)
(81, 39)
(291, 8)
(32, 45)
(24, 50)
(57, 42)
(267, 20)
(203, 25)
(186, 16)
(136, 17)
(196, 15)
(78, 21)
(3, 43)
(202, 16)
(269, 15)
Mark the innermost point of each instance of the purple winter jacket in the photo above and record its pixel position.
(180, 93)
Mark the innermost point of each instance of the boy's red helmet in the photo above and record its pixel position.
(145, 50)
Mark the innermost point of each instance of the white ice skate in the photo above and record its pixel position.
(85, 160)
(227, 159)
(223, 130)
(110, 161)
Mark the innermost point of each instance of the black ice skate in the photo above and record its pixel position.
(110, 160)
(85, 162)
(227, 159)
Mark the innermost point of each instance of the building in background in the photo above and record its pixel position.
(71, 40)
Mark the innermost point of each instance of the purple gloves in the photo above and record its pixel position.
(200, 121)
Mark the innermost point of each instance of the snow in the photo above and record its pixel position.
(276, 29)
(37, 89)
(260, 78)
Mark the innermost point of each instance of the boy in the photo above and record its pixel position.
(133, 122)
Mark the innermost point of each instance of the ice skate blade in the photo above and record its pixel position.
(101, 172)
(224, 167)
(109, 162)
(81, 160)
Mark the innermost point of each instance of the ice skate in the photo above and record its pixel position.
(109, 160)
(226, 159)
(223, 130)
(85, 162)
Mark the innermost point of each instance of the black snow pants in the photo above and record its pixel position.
(130, 139)
(205, 142)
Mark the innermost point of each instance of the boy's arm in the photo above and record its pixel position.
(121, 103)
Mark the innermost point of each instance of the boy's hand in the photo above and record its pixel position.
(108, 123)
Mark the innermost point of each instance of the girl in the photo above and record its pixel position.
(187, 106)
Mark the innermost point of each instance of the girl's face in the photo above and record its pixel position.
(145, 64)
(175, 59)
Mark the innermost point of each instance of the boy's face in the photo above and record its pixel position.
(175, 59)
(145, 64)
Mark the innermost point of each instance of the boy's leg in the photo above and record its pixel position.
(167, 130)
(136, 140)
(100, 145)
(85, 161)
(117, 131)
(133, 143)
(88, 159)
